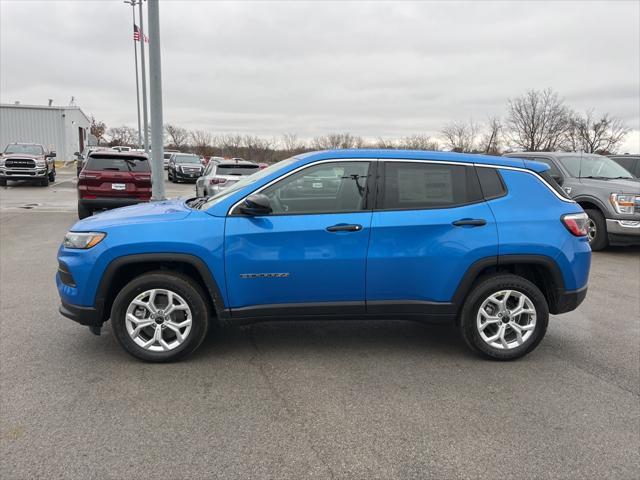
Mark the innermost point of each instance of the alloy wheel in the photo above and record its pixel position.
(506, 319)
(158, 320)
(592, 230)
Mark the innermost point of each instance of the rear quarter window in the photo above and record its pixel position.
(491, 183)
(118, 164)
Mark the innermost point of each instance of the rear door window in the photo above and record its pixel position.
(419, 185)
(117, 164)
(491, 182)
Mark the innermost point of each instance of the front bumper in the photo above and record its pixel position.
(567, 301)
(623, 232)
(191, 177)
(88, 316)
(21, 174)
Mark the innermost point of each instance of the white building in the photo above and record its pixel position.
(64, 130)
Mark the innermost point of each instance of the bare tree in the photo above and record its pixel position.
(178, 136)
(418, 141)
(97, 129)
(201, 141)
(461, 136)
(538, 121)
(291, 143)
(123, 135)
(491, 138)
(596, 135)
(336, 140)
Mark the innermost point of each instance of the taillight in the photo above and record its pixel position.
(217, 181)
(576, 223)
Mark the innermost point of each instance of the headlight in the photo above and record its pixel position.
(41, 163)
(624, 203)
(83, 240)
(2, 160)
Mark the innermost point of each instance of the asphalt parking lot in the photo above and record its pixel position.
(307, 400)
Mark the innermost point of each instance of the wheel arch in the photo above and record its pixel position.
(541, 270)
(124, 269)
(592, 203)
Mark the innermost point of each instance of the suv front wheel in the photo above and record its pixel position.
(160, 316)
(504, 317)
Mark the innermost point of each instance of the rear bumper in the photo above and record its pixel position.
(623, 232)
(106, 202)
(569, 300)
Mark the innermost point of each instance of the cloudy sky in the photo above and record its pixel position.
(370, 68)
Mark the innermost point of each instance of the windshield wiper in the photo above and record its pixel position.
(596, 177)
(622, 178)
(197, 202)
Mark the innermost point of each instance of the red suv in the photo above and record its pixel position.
(112, 179)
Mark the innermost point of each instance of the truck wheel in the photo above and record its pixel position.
(3, 183)
(45, 181)
(504, 317)
(83, 212)
(596, 230)
(52, 175)
(160, 316)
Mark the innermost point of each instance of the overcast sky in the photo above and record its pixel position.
(370, 68)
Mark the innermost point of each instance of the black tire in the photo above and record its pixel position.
(45, 181)
(52, 175)
(3, 183)
(479, 293)
(180, 284)
(83, 212)
(601, 238)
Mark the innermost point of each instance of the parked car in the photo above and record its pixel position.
(609, 194)
(167, 156)
(218, 176)
(490, 243)
(112, 179)
(184, 167)
(631, 163)
(27, 161)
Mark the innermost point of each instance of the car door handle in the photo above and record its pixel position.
(343, 227)
(472, 222)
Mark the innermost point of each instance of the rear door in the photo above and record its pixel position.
(429, 226)
(309, 256)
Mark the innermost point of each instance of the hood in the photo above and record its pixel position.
(620, 185)
(168, 210)
(21, 155)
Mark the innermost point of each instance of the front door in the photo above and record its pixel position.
(309, 255)
(430, 225)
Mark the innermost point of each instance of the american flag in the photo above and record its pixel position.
(137, 33)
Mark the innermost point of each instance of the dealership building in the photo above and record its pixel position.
(64, 130)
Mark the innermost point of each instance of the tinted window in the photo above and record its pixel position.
(418, 185)
(234, 169)
(552, 182)
(491, 182)
(628, 163)
(324, 188)
(186, 159)
(117, 164)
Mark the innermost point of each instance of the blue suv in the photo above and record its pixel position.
(490, 243)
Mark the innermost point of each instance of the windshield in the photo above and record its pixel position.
(187, 159)
(26, 149)
(236, 169)
(593, 166)
(248, 180)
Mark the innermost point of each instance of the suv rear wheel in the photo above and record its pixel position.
(160, 316)
(504, 317)
(596, 229)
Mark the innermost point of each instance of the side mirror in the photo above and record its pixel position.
(51, 154)
(559, 180)
(254, 205)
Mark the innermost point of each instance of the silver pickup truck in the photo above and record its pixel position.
(27, 161)
(608, 193)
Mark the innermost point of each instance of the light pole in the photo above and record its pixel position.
(144, 81)
(135, 52)
(155, 91)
